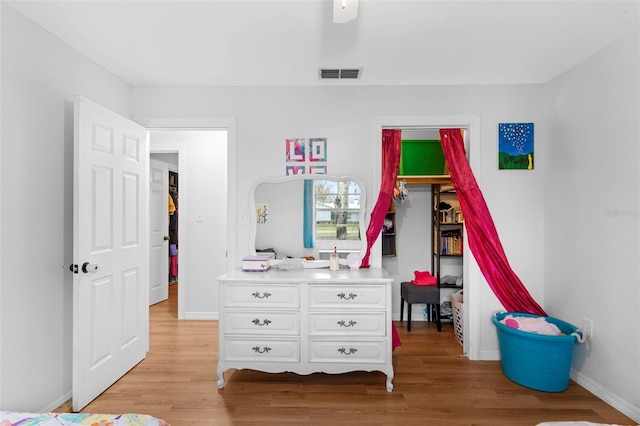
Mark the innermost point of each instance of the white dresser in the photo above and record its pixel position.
(306, 321)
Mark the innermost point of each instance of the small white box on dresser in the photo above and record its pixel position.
(255, 263)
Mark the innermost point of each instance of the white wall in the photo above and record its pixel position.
(202, 192)
(413, 242)
(591, 217)
(40, 76)
(170, 159)
(266, 116)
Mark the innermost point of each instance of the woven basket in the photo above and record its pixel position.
(458, 318)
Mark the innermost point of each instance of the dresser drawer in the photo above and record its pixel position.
(261, 295)
(347, 351)
(347, 323)
(258, 322)
(352, 296)
(264, 350)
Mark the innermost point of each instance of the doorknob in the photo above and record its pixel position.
(166, 238)
(89, 267)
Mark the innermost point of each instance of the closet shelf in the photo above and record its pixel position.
(425, 179)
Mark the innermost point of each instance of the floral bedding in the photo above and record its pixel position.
(12, 418)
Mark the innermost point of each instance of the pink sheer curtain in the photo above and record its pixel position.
(391, 145)
(481, 231)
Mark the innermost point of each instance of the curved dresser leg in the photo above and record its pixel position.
(220, 377)
(389, 384)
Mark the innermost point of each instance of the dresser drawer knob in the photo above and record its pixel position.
(343, 323)
(349, 296)
(349, 351)
(264, 295)
(261, 323)
(262, 350)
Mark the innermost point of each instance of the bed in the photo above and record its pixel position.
(13, 418)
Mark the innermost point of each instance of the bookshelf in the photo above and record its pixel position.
(389, 232)
(448, 233)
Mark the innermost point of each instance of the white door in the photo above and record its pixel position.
(158, 231)
(110, 240)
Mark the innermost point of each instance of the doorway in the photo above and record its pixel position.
(199, 157)
(174, 204)
(164, 230)
(471, 272)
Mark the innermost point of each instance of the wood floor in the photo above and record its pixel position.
(434, 385)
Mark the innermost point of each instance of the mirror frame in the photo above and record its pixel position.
(253, 225)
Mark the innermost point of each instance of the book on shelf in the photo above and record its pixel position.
(451, 242)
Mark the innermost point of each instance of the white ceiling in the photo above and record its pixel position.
(395, 42)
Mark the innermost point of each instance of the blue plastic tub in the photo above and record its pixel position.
(533, 360)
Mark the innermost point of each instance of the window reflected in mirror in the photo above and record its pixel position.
(337, 210)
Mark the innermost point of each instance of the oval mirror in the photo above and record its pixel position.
(308, 216)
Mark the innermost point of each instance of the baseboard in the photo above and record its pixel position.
(416, 317)
(620, 404)
(57, 404)
(488, 356)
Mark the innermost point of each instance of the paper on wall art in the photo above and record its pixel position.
(318, 149)
(295, 170)
(317, 170)
(262, 212)
(306, 156)
(296, 148)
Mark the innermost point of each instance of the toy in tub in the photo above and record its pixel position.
(534, 360)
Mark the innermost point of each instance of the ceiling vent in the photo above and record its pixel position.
(338, 73)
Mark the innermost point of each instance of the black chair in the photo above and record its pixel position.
(427, 294)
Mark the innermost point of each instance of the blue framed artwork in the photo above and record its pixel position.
(515, 146)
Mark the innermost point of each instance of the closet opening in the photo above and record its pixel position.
(428, 229)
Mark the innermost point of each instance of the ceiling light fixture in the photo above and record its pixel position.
(344, 11)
